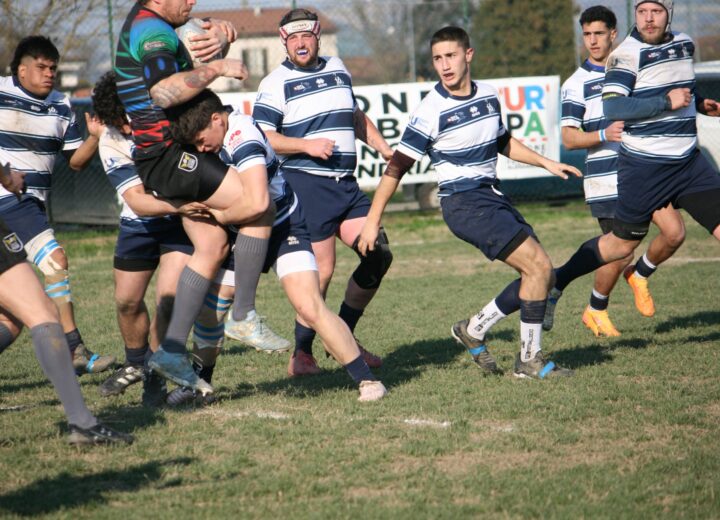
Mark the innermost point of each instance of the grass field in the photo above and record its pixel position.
(633, 435)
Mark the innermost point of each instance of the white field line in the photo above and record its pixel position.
(428, 423)
(277, 416)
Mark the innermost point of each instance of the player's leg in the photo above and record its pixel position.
(38, 313)
(303, 290)
(663, 246)
(365, 280)
(10, 328)
(49, 257)
(595, 316)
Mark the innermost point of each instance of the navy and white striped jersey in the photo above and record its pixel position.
(582, 108)
(459, 134)
(642, 70)
(116, 151)
(245, 146)
(311, 104)
(33, 132)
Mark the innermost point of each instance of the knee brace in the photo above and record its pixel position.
(373, 267)
(57, 279)
(209, 328)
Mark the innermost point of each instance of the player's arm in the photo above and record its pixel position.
(320, 147)
(515, 150)
(217, 37)
(574, 138)
(12, 180)
(182, 86)
(398, 166)
(367, 132)
(147, 205)
(255, 198)
(708, 107)
(81, 156)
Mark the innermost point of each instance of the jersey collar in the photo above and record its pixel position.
(636, 34)
(16, 82)
(591, 67)
(322, 62)
(444, 93)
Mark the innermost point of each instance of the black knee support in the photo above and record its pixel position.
(375, 264)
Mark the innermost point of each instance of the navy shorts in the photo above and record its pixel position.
(485, 218)
(289, 236)
(603, 209)
(12, 251)
(327, 201)
(28, 217)
(645, 186)
(140, 244)
(181, 172)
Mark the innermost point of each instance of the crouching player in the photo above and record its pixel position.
(214, 128)
(459, 125)
(24, 302)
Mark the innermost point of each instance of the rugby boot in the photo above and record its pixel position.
(371, 391)
(254, 332)
(537, 368)
(183, 396)
(122, 378)
(599, 323)
(476, 348)
(302, 364)
(98, 434)
(86, 362)
(549, 318)
(643, 300)
(177, 368)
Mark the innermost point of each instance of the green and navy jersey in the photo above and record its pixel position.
(148, 51)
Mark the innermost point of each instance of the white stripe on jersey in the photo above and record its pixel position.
(245, 146)
(642, 70)
(582, 108)
(33, 132)
(311, 103)
(459, 135)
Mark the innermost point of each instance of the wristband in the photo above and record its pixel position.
(602, 135)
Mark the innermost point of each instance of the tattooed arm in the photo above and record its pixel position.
(183, 86)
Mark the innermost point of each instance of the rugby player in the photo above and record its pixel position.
(23, 302)
(650, 85)
(214, 128)
(307, 109)
(36, 125)
(585, 127)
(155, 73)
(459, 125)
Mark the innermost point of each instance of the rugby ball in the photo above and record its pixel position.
(193, 27)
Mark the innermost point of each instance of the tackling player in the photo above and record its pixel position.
(307, 109)
(585, 127)
(214, 128)
(459, 125)
(36, 125)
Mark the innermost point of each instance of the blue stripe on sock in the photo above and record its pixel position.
(546, 369)
(477, 350)
(91, 362)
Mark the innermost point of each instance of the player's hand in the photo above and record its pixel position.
(231, 68)
(710, 107)
(12, 180)
(562, 170)
(613, 133)
(223, 26)
(95, 127)
(194, 210)
(368, 238)
(212, 42)
(679, 98)
(321, 147)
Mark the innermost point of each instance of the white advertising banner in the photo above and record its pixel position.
(530, 111)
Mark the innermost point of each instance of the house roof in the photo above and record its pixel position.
(260, 21)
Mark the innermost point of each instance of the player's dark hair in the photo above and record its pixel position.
(298, 14)
(191, 118)
(598, 13)
(106, 102)
(451, 34)
(36, 47)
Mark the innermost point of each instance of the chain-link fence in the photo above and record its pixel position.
(380, 41)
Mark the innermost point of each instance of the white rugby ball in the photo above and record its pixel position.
(193, 27)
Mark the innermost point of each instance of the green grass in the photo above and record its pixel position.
(633, 435)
